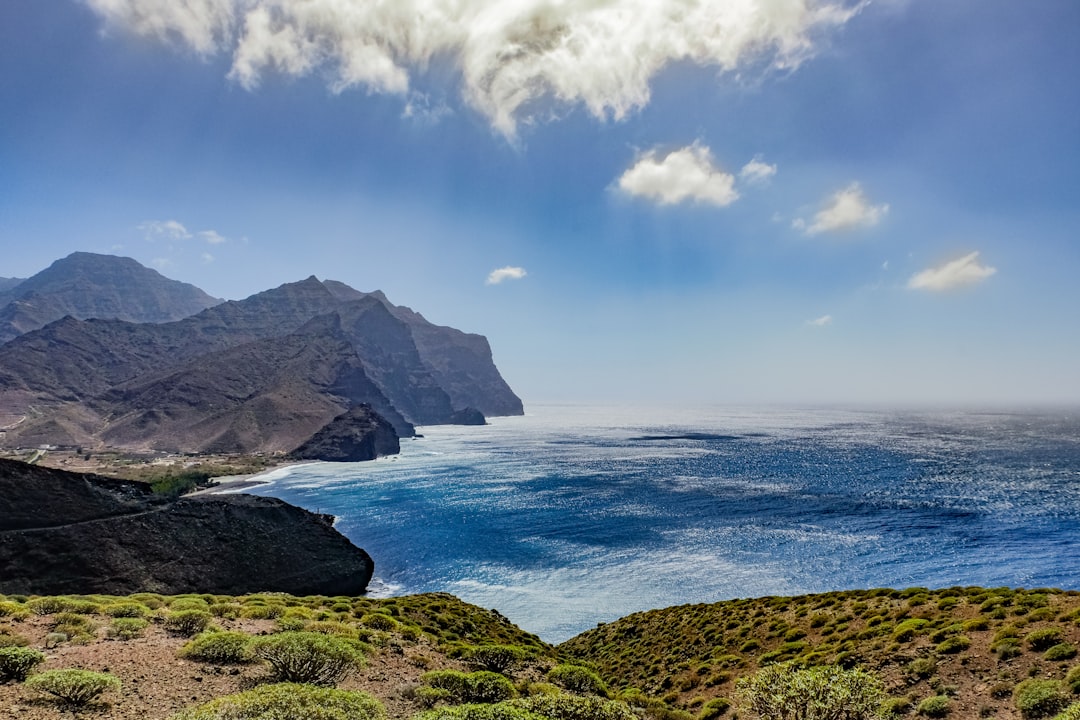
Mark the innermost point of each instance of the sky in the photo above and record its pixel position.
(720, 202)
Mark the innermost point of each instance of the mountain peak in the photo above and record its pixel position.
(89, 285)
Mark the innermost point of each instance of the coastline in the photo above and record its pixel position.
(224, 484)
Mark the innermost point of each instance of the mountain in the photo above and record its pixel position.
(262, 374)
(86, 285)
(8, 284)
(70, 532)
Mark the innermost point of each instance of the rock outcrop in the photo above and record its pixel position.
(64, 533)
(357, 434)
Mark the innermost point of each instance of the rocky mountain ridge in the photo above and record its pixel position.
(87, 285)
(262, 374)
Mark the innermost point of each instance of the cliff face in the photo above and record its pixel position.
(64, 533)
(256, 375)
(355, 435)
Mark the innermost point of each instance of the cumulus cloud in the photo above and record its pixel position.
(847, 209)
(821, 321)
(163, 230)
(757, 171)
(953, 274)
(207, 258)
(684, 174)
(505, 273)
(212, 237)
(510, 54)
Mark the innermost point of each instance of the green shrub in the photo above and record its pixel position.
(1043, 639)
(181, 604)
(1072, 679)
(286, 701)
(127, 610)
(75, 687)
(379, 621)
(17, 662)
(186, 623)
(572, 707)
(935, 706)
(783, 691)
(303, 657)
(218, 648)
(127, 628)
(907, 630)
(540, 707)
(497, 658)
(714, 709)
(229, 610)
(47, 605)
(1007, 648)
(1061, 651)
(954, 644)
(12, 640)
(14, 610)
(475, 687)
(1040, 698)
(1070, 713)
(922, 667)
(894, 706)
(577, 679)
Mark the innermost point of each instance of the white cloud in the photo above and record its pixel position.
(757, 171)
(821, 321)
(207, 258)
(953, 274)
(212, 237)
(505, 273)
(847, 209)
(685, 174)
(510, 54)
(163, 230)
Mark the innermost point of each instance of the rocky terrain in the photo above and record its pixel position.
(68, 532)
(357, 434)
(86, 285)
(260, 375)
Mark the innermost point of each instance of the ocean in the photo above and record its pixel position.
(571, 516)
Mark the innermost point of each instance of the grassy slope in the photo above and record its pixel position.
(693, 653)
(920, 642)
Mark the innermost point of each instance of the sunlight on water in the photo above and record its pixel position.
(572, 516)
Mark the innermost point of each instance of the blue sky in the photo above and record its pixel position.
(782, 201)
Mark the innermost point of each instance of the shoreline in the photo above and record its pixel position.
(224, 484)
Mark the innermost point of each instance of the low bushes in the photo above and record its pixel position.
(458, 687)
(288, 700)
(127, 628)
(187, 622)
(540, 707)
(302, 657)
(219, 648)
(577, 679)
(497, 658)
(75, 687)
(935, 706)
(17, 662)
(1040, 698)
(785, 691)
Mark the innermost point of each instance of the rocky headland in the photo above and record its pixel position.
(63, 532)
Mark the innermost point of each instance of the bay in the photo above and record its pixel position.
(571, 515)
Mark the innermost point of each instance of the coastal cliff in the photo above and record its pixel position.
(63, 532)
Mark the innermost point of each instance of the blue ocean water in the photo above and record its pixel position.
(571, 516)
